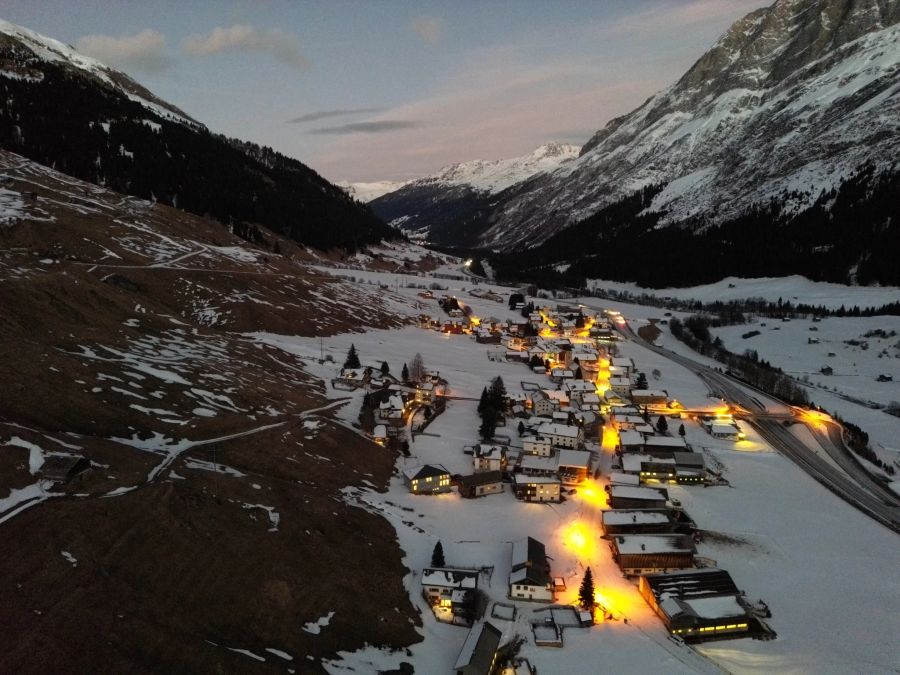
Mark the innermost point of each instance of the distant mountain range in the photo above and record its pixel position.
(438, 207)
(794, 109)
(73, 113)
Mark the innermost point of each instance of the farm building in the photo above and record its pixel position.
(646, 521)
(478, 655)
(625, 497)
(642, 553)
(699, 605)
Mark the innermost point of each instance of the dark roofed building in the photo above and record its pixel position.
(479, 652)
(427, 479)
(700, 605)
(642, 553)
(529, 577)
(646, 521)
(480, 484)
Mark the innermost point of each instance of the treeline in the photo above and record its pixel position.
(850, 233)
(86, 129)
(694, 332)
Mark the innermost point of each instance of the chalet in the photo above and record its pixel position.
(630, 441)
(489, 458)
(486, 337)
(537, 465)
(425, 392)
(543, 405)
(643, 553)
(536, 488)
(671, 443)
(380, 434)
(438, 583)
(621, 478)
(573, 465)
(562, 435)
(699, 605)
(427, 480)
(478, 655)
(649, 396)
(529, 577)
(623, 362)
(620, 385)
(577, 388)
(590, 401)
(393, 411)
(560, 417)
(561, 374)
(625, 497)
(646, 521)
(480, 484)
(537, 446)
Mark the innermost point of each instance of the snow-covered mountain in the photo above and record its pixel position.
(440, 205)
(366, 192)
(790, 100)
(69, 111)
(25, 64)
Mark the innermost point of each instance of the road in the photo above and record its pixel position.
(851, 482)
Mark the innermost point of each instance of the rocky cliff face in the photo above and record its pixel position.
(792, 99)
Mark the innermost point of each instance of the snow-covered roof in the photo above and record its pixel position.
(577, 458)
(715, 607)
(479, 648)
(633, 516)
(619, 478)
(632, 463)
(630, 437)
(652, 543)
(628, 492)
(665, 442)
(425, 471)
(564, 430)
(449, 578)
(655, 393)
(380, 431)
(536, 480)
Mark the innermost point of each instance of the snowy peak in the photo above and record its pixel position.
(792, 99)
(23, 53)
(496, 175)
(366, 192)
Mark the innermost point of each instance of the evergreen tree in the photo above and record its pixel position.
(385, 368)
(483, 402)
(661, 425)
(641, 381)
(578, 374)
(497, 393)
(437, 556)
(586, 591)
(404, 374)
(521, 427)
(682, 431)
(352, 360)
(646, 414)
(488, 426)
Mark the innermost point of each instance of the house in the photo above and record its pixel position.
(480, 484)
(425, 392)
(577, 388)
(625, 497)
(478, 655)
(427, 480)
(590, 401)
(536, 488)
(620, 478)
(529, 577)
(537, 465)
(380, 434)
(562, 435)
(489, 458)
(439, 583)
(671, 443)
(560, 374)
(728, 432)
(623, 362)
(537, 446)
(543, 405)
(649, 396)
(643, 553)
(630, 441)
(646, 521)
(699, 605)
(392, 411)
(620, 385)
(573, 465)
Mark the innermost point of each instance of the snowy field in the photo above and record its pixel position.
(826, 571)
(795, 288)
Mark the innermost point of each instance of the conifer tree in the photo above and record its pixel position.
(586, 591)
(385, 368)
(404, 374)
(352, 360)
(437, 556)
(661, 425)
(682, 431)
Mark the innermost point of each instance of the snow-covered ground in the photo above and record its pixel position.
(825, 570)
(795, 288)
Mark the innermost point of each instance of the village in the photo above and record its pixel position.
(581, 436)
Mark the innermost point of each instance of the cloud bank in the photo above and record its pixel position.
(145, 51)
(367, 127)
(282, 46)
(337, 112)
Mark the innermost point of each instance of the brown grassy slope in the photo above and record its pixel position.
(119, 320)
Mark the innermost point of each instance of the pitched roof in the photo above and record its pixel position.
(415, 472)
(477, 653)
(483, 478)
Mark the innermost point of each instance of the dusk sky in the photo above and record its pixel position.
(368, 91)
